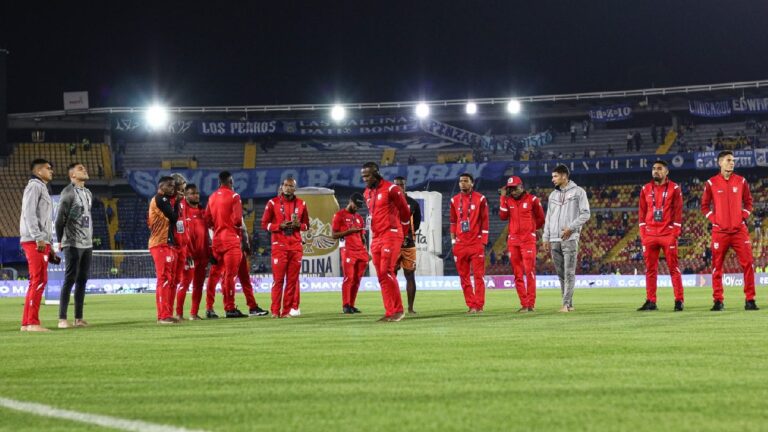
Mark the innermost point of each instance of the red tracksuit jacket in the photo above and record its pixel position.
(671, 209)
(279, 210)
(353, 244)
(387, 208)
(180, 234)
(525, 216)
(197, 232)
(726, 203)
(474, 208)
(225, 215)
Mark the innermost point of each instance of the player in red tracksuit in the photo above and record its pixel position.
(660, 219)
(181, 243)
(243, 274)
(469, 235)
(224, 215)
(349, 228)
(285, 217)
(388, 215)
(161, 220)
(199, 252)
(727, 203)
(525, 215)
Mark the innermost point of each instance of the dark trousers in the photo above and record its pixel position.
(78, 262)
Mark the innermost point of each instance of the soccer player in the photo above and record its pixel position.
(567, 212)
(199, 253)
(525, 215)
(285, 217)
(162, 217)
(74, 230)
(243, 274)
(224, 214)
(36, 231)
(727, 203)
(469, 235)
(181, 242)
(388, 216)
(408, 250)
(349, 228)
(660, 220)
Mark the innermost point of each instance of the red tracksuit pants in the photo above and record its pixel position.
(38, 279)
(652, 245)
(470, 259)
(386, 251)
(286, 266)
(243, 273)
(165, 259)
(354, 265)
(229, 262)
(742, 245)
(196, 277)
(522, 257)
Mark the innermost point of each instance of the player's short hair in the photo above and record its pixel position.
(72, 165)
(190, 186)
(472, 179)
(358, 199)
(661, 162)
(289, 178)
(562, 169)
(399, 178)
(371, 165)
(165, 179)
(723, 154)
(224, 177)
(178, 179)
(38, 161)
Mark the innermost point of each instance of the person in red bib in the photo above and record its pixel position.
(285, 217)
(224, 215)
(199, 252)
(727, 203)
(349, 228)
(469, 235)
(388, 218)
(660, 219)
(525, 215)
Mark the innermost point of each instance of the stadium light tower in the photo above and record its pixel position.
(338, 113)
(422, 110)
(156, 116)
(514, 106)
(471, 108)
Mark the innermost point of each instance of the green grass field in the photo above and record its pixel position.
(604, 367)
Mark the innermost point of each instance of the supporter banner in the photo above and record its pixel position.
(611, 113)
(263, 283)
(451, 133)
(381, 125)
(600, 165)
(750, 105)
(260, 183)
(761, 157)
(744, 159)
(710, 109)
(536, 140)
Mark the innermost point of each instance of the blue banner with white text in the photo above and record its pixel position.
(611, 113)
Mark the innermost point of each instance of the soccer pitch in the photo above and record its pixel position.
(603, 367)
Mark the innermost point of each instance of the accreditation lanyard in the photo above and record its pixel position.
(663, 196)
(282, 207)
(461, 206)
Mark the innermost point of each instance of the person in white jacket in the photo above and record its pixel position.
(567, 212)
(36, 232)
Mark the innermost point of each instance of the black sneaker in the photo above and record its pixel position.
(257, 311)
(211, 314)
(678, 305)
(750, 305)
(355, 310)
(718, 306)
(648, 306)
(235, 313)
(347, 310)
(530, 309)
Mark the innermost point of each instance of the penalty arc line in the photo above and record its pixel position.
(94, 419)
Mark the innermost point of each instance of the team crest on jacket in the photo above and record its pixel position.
(716, 245)
(735, 189)
(525, 205)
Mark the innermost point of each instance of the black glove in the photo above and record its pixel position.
(53, 258)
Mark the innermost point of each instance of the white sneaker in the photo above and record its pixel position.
(294, 312)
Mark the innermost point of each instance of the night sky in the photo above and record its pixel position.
(237, 53)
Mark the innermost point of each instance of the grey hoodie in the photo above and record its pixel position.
(36, 221)
(568, 207)
(74, 224)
